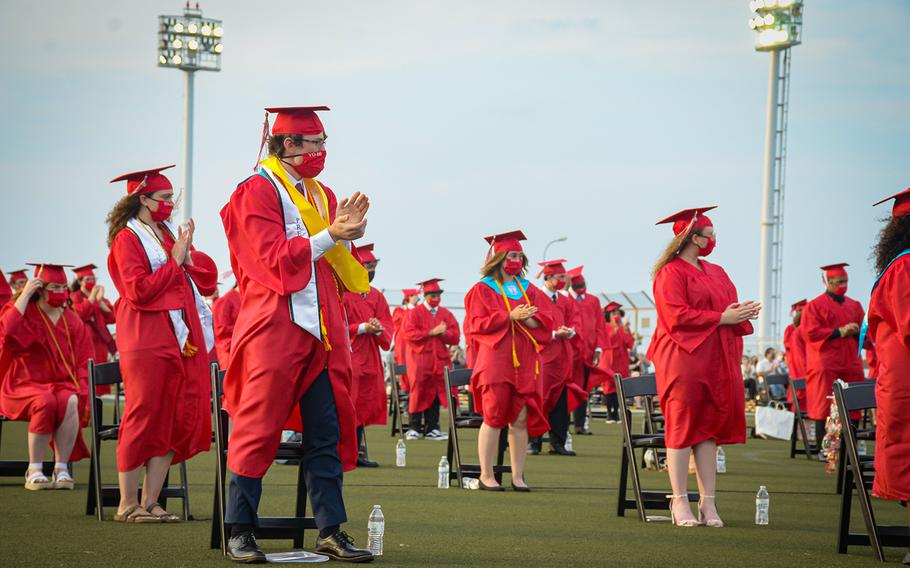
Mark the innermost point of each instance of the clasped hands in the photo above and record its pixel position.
(849, 329)
(737, 313)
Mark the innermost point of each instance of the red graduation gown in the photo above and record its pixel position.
(795, 344)
(889, 329)
(621, 340)
(697, 360)
(368, 384)
(499, 388)
(6, 292)
(96, 321)
(168, 396)
(593, 335)
(273, 360)
(829, 358)
(427, 356)
(225, 313)
(35, 382)
(557, 359)
(401, 344)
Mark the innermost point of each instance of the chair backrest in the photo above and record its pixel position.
(777, 379)
(105, 373)
(459, 377)
(799, 384)
(399, 370)
(454, 378)
(645, 385)
(855, 396)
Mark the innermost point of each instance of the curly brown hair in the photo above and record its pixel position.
(125, 209)
(893, 239)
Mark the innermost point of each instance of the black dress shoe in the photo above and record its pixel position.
(560, 451)
(484, 487)
(339, 546)
(583, 432)
(244, 550)
(520, 489)
(363, 461)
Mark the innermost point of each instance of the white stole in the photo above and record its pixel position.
(157, 258)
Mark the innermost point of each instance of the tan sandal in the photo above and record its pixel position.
(63, 480)
(164, 517)
(136, 514)
(36, 480)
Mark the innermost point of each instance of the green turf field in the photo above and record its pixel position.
(569, 520)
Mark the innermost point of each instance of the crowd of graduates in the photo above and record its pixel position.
(301, 337)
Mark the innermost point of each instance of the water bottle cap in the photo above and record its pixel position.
(376, 507)
(760, 487)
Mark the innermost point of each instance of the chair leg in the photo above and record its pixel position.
(841, 458)
(846, 506)
(623, 483)
(96, 475)
(215, 541)
(90, 498)
(501, 451)
(301, 504)
(162, 497)
(184, 481)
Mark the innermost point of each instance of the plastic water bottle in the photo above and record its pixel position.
(375, 530)
(761, 506)
(443, 482)
(569, 443)
(587, 423)
(470, 483)
(721, 460)
(861, 447)
(401, 454)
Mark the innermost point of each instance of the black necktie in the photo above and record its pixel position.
(554, 298)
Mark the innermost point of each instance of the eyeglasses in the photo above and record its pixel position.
(319, 143)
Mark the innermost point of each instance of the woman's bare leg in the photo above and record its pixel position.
(518, 447)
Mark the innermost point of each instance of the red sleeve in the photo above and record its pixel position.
(16, 333)
(109, 316)
(486, 319)
(255, 231)
(543, 333)
(5, 291)
(687, 326)
(453, 332)
(83, 308)
(142, 288)
(415, 327)
(203, 271)
(814, 323)
(384, 339)
(353, 326)
(225, 317)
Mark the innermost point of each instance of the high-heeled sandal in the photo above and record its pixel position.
(713, 523)
(685, 523)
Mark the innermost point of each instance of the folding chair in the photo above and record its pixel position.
(17, 468)
(859, 474)
(398, 403)
(861, 433)
(799, 426)
(100, 496)
(765, 383)
(455, 378)
(644, 386)
(270, 528)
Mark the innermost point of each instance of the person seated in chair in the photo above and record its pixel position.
(46, 350)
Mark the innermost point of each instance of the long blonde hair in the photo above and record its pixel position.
(672, 251)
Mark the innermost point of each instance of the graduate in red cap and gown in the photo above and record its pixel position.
(831, 323)
(619, 340)
(6, 291)
(17, 279)
(889, 331)
(593, 335)
(559, 391)
(696, 351)
(506, 329)
(164, 334)
(225, 312)
(44, 353)
(410, 298)
(370, 326)
(290, 368)
(795, 346)
(97, 313)
(430, 330)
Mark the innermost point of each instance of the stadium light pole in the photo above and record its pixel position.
(778, 24)
(190, 43)
(546, 248)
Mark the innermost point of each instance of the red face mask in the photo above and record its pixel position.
(163, 213)
(56, 299)
(617, 318)
(708, 248)
(512, 267)
(88, 285)
(433, 301)
(560, 284)
(311, 166)
(579, 288)
(841, 290)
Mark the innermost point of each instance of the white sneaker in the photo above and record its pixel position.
(412, 435)
(435, 434)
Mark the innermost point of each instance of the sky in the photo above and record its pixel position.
(589, 120)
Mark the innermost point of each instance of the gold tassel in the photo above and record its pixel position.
(189, 349)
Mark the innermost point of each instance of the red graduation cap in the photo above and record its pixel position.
(50, 273)
(18, 274)
(689, 219)
(554, 266)
(798, 305)
(365, 253)
(145, 181)
(506, 242)
(835, 270)
(431, 285)
(901, 203)
(612, 306)
(408, 292)
(575, 273)
(85, 271)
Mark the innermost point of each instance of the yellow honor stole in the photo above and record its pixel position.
(515, 362)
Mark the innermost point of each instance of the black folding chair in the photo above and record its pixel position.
(458, 419)
(398, 402)
(765, 383)
(860, 474)
(18, 468)
(644, 386)
(861, 433)
(270, 528)
(100, 496)
(799, 426)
